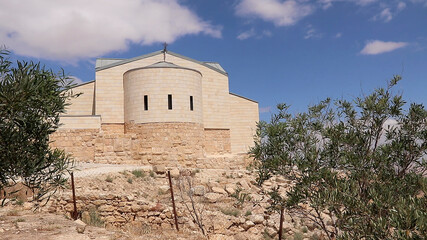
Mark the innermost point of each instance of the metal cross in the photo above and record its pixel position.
(165, 46)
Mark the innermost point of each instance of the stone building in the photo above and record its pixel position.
(159, 108)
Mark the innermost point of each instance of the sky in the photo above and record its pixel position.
(275, 51)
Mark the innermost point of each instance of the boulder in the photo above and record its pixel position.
(213, 197)
(199, 190)
(80, 226)
(159, 169)
(174, 172)
(248, 224)
(219, 190)
(257, 219)
(230, 188)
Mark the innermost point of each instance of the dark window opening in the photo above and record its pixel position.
(145, 102)
(191, 103)
(170, 101)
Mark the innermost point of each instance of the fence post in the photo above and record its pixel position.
(173, 201)
(74, 197)
(281, 223)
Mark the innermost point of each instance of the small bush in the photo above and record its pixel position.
(304, 230)
(19, 202)
(130, 180)
(161, 192)
(109, 179)
(315, 237)
(94, 219)
(138, 173)
(248, 213)
(231, 212)
(298, 236)
(12, 213)
(266, 236)
(152, 174)
(241, 197)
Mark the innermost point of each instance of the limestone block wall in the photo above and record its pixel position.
(170, 144)
(78, 142)
(217, 141)
(157, 84)
(116, 211)
(80, 122)
(243, 118)
(84, 104)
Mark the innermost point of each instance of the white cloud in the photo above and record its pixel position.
(364, 2)
(326, 3)
(71, 30)
(401, 6)
(312, 33)
(420, 1)
(252, 33)
(265, 109)
(385, 15)
(246, 34)
(375, 47)
(338, 35)
(281, 13)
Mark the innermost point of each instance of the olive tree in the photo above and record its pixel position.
(31, 100)
(357, 165)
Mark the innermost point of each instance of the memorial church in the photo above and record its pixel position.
(158, 108)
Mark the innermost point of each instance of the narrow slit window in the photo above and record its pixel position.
(145, 102)
(191, 103)
(170, 101)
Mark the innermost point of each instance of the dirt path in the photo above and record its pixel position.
(93, 169)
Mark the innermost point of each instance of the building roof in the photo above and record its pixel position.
(105, 63)
(164, 65)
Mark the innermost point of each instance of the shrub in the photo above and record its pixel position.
(109, 179)
(31, 100)
(231, 212)
(138, 173)
(357, 165)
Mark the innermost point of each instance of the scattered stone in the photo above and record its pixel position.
(85, 217)
(106, 208)
(230, 188)
(130, 197)
(164, 188)
(174, 172)
(199, 190)
(257, 219)
(27, 205)
(80, 226)
(248, 224)
(219, 190)
(159, 169)
(213, 197)
(244, 184)
(271, 232)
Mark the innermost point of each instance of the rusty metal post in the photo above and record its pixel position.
(173, 201)
(74, 197)
(281, 223)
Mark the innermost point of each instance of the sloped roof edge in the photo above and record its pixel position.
(84, 83)
(242, 97)
(154, 54)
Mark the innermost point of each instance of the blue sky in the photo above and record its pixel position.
(293, 51)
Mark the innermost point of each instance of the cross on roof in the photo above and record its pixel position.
(165, 46)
